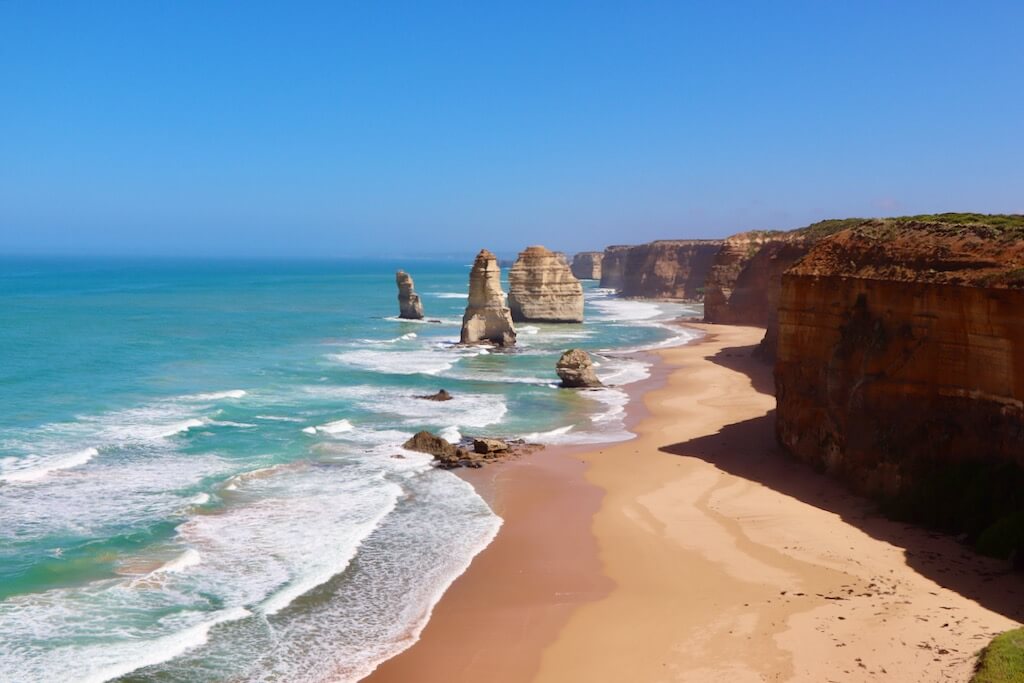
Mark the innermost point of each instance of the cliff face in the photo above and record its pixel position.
(586, 265)
(613, 266)
(542, 289)
(409, 304)
(735, 291)
(487, 319)
(669, 269)
(900, 367)
(745, 281)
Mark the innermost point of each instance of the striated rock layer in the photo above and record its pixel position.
(409, 304)
(541, 288)
(613, 266)
(586, 265)
(487, 319)
(900, 368)
(669, 269)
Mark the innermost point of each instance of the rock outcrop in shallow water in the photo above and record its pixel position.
(668, 269)
(409, 305)
(576, 370)
(613, 266)
(541, 288)
(586, 265)
(900, 368)
(487, 319)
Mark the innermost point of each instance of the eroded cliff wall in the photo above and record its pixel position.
(900, 368)
(669, 269)
(613, 266)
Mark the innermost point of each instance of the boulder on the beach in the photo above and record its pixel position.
(576, 370)
(487, 319)
(485, 446)
(409, 305)
(441, 395)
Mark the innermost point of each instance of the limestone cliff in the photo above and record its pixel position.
(541, 288)
(745, 281)
(613, 266)
(668, 269)
(900, 368)
(586, 265)
(487, 319)
(409, 304)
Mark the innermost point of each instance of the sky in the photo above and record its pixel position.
(333, 129)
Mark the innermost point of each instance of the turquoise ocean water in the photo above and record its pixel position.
(197, 478)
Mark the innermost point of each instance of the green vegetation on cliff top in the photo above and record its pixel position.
(1002, 661)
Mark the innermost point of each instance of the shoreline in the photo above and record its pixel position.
(497, 616)
(698, 552)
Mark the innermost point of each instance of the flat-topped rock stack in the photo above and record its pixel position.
(586, 265)
(542, 288)
(487, 319)
(409, 305)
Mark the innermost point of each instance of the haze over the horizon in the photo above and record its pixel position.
(336, 129)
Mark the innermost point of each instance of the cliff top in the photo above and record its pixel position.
(963, 249)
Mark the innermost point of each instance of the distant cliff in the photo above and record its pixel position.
(586, 265)
(745, 281)
(613, 266)
(669, 269)
(900, 368)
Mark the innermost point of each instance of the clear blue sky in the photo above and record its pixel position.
(334, 128)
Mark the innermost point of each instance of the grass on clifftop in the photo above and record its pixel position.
(1002, 661)
(822, 229)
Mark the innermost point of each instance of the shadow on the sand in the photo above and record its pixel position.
(749, 450)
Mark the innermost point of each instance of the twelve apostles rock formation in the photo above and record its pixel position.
(586, 265)
(541, 288)
(900, 368)
(487, 319)
(409, 304)
(613, 266)
(668, 269)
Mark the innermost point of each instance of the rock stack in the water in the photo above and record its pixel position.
(576, 370)
(542, 288)
(586, 265)
(487, 319)
(409, 305)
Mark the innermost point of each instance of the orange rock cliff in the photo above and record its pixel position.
(900, 368)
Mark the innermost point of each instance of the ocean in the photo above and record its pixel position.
(198, 471)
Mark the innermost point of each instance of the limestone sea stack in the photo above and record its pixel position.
(487, 318)
(542, 288)
(409, 305)
(576, 370)
(900, 368)
(586, 265)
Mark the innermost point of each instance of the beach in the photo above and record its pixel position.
(699, 552)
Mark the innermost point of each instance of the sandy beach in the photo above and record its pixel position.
(699, 552)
